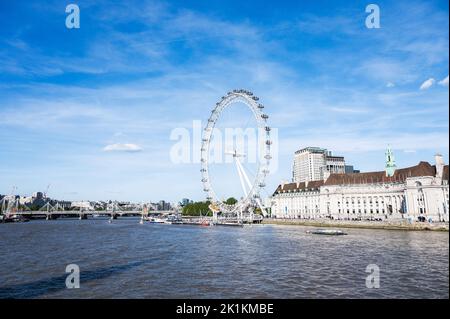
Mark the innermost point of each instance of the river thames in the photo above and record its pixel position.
(127, 260)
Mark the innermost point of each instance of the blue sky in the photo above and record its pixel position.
(133, 72)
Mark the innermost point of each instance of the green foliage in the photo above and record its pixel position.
(34, 207)
(197, 208)
(231, 201)
(194, 209)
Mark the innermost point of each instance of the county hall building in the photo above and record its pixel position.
(414, 193)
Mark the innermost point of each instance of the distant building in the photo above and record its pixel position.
(412, 192)
(185, 201)
(38, 195)
(85, 205)
(349, 169)
(37, 200)
(61, 204)
(315, 164)
(163, 205)
(100, 205)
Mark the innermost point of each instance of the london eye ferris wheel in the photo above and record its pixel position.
(251, 180)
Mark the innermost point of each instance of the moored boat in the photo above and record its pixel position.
(14, 219)
(205, 223)
(156, 220)
(174, 219)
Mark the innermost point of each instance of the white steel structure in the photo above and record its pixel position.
(250, 188)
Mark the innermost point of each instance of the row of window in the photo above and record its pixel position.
(366, 211)
(370, 200)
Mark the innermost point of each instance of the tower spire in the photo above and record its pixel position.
(390, 162)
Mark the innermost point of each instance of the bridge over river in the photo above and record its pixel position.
(83, 214)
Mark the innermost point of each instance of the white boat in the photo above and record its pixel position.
(174, 219)
(333, 232)
(156, 220)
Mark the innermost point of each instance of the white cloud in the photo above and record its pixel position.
(444, 82)
(122, 148)
(349, 109)
(390, 85)
(385, 70)
(427, 84)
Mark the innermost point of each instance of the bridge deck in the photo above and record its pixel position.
(87, 212)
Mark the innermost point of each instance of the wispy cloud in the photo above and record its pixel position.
(390, 84)
(131, 148)
(427, 84)
(444, 82)
(351, 110)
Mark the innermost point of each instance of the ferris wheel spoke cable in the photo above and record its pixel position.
(238, 163)
(241, 178)
(249, 184)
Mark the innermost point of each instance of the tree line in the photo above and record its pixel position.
(202, 208)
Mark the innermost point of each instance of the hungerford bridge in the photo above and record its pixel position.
(11, 209)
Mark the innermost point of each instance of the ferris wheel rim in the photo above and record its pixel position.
(251, 101)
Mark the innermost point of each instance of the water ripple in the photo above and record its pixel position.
(128, 260)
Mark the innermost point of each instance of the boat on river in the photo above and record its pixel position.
(156, 220)
(173, 219)
(329, 232)
(230, 223)
(13, 219)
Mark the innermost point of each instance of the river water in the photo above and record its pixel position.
(127, 260)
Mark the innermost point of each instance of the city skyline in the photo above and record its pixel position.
(90, 111)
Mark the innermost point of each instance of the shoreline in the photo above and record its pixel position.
(415, 226)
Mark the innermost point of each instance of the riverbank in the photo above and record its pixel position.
(387, 225)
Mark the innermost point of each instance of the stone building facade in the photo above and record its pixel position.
(417, 192)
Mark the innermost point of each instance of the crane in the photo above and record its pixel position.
(46, 191)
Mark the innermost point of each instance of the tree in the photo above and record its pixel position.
(197, 209)
(258, 211)
(231, 201)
